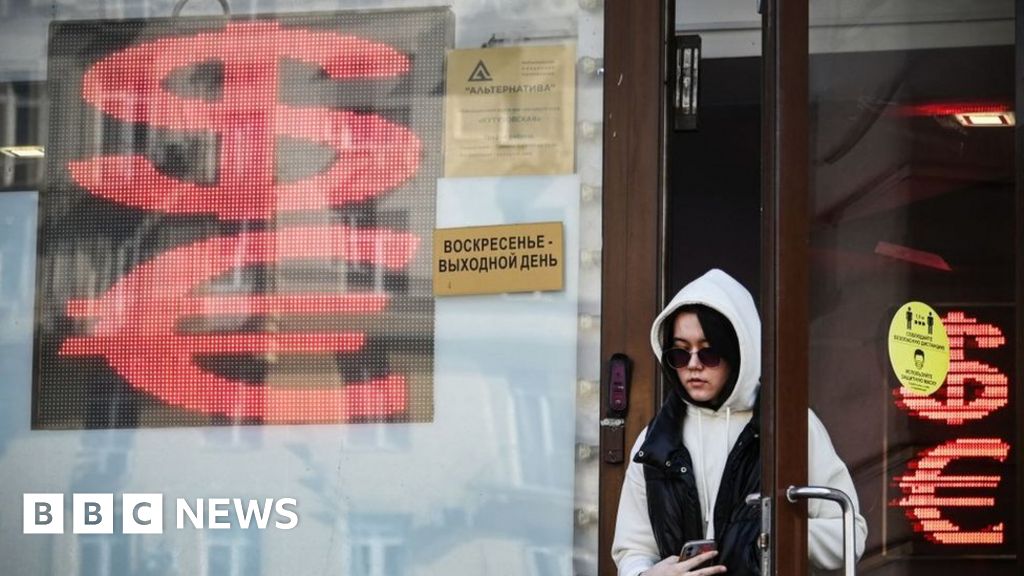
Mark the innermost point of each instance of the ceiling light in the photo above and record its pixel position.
(986, 119)
(980, 114)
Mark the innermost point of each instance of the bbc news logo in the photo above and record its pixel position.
(144, 513)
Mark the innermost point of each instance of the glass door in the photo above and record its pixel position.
(908, 245)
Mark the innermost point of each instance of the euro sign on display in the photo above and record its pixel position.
(234, 221)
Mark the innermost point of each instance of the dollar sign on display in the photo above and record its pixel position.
(372, 155)
(139, 324)
(991, 385)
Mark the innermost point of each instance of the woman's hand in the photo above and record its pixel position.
(671, 566)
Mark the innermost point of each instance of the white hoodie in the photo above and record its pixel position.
(709, 436)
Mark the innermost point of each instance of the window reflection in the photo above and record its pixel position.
(913, 201)
(378, 545)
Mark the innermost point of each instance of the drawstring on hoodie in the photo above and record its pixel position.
(703, 469)
(709, 498)
(728, 414)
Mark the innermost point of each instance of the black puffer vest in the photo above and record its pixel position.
(672, 501)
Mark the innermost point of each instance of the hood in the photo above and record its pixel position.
(718, 290)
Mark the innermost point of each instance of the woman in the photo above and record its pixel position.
(694, 465)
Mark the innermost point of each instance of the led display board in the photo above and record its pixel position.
(237, 222)
(953, 478)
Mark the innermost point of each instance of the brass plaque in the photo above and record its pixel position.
(510, 111)
(498, 259)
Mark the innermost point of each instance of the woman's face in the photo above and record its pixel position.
(702, 383)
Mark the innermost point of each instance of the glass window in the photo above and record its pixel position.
(216, 270)
(914, 241)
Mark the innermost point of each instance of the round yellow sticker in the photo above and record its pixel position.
(919, 348)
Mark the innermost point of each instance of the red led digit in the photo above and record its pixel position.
(135, 325)
(990, 385)
(372, 154)
(923, 504)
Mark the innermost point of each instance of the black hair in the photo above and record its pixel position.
(719, 333)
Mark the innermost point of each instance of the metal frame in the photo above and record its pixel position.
(1019, 274)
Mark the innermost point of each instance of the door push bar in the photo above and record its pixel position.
(794, 493)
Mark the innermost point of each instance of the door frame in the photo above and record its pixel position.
(633, 233)
(785, 266)
(632, 222)
(1018, 389)
(785, 285)
(633, 202)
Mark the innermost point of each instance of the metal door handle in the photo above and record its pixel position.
(794, 493)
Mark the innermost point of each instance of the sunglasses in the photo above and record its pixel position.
(679, 358)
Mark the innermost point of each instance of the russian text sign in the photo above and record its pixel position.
(918, 348)
(497, 259)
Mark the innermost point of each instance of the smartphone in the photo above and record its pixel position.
(695, 547)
